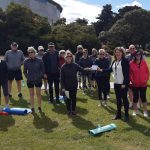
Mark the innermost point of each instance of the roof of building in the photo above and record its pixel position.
(56, 4)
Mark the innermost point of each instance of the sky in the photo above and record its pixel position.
(89, 9)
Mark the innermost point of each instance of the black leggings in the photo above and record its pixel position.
(5, 88)
(121, 96)
(71, 101)
(102, 83)
(139, 92)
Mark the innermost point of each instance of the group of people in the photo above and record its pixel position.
(64, 72)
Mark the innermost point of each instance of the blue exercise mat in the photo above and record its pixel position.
(17, 111)
(101, 129)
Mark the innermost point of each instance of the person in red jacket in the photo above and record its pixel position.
(62, 54)
(139, 75)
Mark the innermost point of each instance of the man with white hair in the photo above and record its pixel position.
(14, 59)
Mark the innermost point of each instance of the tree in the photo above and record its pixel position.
(104, 19)
(133, 28)
(82, 21)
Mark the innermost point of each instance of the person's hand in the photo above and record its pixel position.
(123, 86)
(99, 69)
(45, 76)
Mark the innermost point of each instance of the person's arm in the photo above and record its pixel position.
(22, 58)
(147, 72)
(125, 69)
(63, 78)
(42, 68)
(25, 69)
(45, 66)
(6, 57)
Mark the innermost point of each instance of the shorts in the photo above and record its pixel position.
(5, 88)
(17, 75)
(32, 85)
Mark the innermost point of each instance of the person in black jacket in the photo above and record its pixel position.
(69, 81)
(102, 77)
(78, 55)
(4, 82)
(34, 71)
(52, 70)
(120, 69)
(85, 62)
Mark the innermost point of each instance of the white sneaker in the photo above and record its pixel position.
(108, 97)
(145, 114)
(134, 113)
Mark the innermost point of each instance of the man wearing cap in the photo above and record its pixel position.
(78, 55)
(40, 55)
(52, 71)
(14, 59)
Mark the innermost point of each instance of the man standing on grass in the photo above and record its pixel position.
(52, 71)
(14, 59)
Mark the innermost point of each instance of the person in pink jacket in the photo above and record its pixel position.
(139, 76)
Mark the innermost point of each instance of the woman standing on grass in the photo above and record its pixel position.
(139, 76)
(69, 81)
(102, 77)
(34, 71)
(120, 69)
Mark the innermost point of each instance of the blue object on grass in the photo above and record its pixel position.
(61, 98)
(101, 129)
(17, 111)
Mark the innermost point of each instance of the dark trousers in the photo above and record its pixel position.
(84, 77)
(139, 92)
(71, 101)
(102, 83)
(108, 85)
(53, 79)
(121, 96)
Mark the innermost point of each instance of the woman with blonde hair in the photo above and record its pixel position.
(34, 71)
(120, 69)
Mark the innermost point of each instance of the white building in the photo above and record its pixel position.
(45, 8)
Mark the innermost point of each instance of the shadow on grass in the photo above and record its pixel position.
(6, 122)
(145, 130)
(44, 122)
(83, 100)
(82, 123)
(45, 98)
(19, 103)
(61, 109)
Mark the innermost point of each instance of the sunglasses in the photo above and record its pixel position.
(132, 48)
(30, 52)
(102, 54)
(68, 56)
(41, 50)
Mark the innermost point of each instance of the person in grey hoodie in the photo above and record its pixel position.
(14, 59)
(34, 71)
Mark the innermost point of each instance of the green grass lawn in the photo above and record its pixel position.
(54, 130)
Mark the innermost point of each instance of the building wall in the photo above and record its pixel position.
(41, 7)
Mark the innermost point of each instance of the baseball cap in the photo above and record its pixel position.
(40, 47)
(80, 46)
(51, 44)
(14, 44)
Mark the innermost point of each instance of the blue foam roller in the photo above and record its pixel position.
(61, 98)
(16, 111)
(100, 129)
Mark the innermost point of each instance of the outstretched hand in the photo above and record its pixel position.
(99, 69)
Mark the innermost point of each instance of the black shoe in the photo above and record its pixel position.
(51, 100)
(80, 87)
(10, 96)
(20, 95)
(116, 117)
(126, 118)
(33, 110)
(39, 109)
(73, 113)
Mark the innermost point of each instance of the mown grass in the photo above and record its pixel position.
(53, 129)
